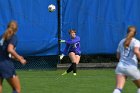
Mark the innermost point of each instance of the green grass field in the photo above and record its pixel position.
(86, 81)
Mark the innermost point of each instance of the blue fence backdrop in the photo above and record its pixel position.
(37, 31)
(101, 24)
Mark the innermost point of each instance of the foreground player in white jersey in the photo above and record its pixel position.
(128, 51)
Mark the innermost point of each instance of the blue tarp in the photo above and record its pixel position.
(37, 31)
(101, 24)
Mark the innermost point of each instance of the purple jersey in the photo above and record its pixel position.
(73, 45)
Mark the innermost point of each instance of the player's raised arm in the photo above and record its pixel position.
(15, 55)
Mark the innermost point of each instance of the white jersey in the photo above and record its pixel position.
(127, 56)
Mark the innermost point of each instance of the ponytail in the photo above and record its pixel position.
(10, 30)
(130, 34)
(8, 33)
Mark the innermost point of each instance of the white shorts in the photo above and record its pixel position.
(131, 72)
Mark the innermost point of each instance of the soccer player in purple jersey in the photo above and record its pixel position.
(73, 50)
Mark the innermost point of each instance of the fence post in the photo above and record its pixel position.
(59, 28)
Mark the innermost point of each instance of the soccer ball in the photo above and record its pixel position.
(51, 8)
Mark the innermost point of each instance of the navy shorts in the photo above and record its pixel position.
(7, 69)
(76, 53)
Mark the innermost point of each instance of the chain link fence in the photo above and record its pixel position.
(38, 63)
(52, 62)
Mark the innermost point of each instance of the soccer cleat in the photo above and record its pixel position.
(74, 74)
(64, 73)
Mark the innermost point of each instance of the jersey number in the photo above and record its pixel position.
(76, 44)
(126, 52)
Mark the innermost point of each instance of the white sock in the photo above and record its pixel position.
(116, 91)
(138, 91)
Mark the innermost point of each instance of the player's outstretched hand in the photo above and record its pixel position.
(22, 60)
(61, 56)
(62, 41)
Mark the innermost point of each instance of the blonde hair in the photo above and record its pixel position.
(9, 25)
(10, 31)
(130, 34)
